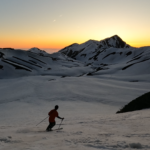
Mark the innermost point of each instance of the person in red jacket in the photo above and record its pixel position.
(52, 115)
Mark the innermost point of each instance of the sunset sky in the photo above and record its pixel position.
(55, 24)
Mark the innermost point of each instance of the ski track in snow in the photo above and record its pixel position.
(88, 105)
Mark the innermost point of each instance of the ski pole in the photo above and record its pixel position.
(60, 123)
(42, 120)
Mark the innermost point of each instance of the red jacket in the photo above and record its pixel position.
(52, 115)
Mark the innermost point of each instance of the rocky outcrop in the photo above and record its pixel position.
(139, 103)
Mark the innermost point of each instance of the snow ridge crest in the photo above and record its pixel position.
(92, 48)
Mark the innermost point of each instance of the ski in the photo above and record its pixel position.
(56, 129)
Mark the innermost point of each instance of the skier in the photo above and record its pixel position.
(52, 115)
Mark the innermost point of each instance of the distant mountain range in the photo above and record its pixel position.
(109, 56)
(18, 63)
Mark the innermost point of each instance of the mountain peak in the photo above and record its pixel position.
(115, 41)
(92, 48)
(34, 49)
(115, 36)
(91, 41)
(37, 51)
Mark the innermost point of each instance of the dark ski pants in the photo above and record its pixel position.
(50, 126)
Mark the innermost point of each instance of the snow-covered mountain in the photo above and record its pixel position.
(16, 63)
(38, 51)
(91, 49)
(111, 55)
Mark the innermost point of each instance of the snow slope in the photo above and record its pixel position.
(90, 82)
(17, 63)
(88, 105)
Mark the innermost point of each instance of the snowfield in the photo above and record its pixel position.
(87, 103)
(90, 82)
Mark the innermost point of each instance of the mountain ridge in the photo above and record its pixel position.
(89, 58)
(75, 49)
(109, 55)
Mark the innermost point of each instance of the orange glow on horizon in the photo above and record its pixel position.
(55, 46)
(55, 43)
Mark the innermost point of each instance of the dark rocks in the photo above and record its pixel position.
(110, 54)
(17, 65)
(28, 62)
(1, 55)
(129, 53)
(84, 55)
(135, 63)
(54, 59)
(89, 74)
(1, 67)
(117, 42)
(134, 81)
(139, 103)
(37, 59)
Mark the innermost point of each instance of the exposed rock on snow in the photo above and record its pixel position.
(135, 145)
(139, 103)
